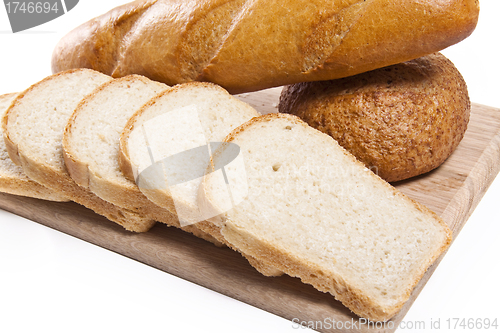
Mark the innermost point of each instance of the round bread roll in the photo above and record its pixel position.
(400, 121)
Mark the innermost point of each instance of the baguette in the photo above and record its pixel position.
(316, 213)
(251, 45)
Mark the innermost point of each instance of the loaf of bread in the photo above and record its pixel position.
(315, 212)
(13, 180)
(400, 121)
(251, 45)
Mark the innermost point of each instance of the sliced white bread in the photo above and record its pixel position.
(91, 144)
(33, 131)
(12, 178)
(184, 118)
(315, 212)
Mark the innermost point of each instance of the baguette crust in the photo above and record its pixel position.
(251, 45)
(102, 50)
(325, 281)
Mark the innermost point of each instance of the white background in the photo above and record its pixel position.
(51, 282)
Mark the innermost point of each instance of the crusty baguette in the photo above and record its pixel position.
(33, 130)
(401, 121)
(251, 45)
(12, 178)
(315, 212)
(91, 144)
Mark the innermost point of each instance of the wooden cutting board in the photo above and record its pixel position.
(452, 191)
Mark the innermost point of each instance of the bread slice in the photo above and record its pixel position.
(315, 212)
(33, 131)
(185, 118)
(188, 116)
(12, 178)
(91, 144)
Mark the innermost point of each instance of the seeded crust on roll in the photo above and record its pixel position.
(400, 121)
(250, 45)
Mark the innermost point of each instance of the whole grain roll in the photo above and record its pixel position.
(400, 121)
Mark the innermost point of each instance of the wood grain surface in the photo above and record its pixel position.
(452, 191)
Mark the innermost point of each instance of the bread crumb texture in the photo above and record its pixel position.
(327, 218)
